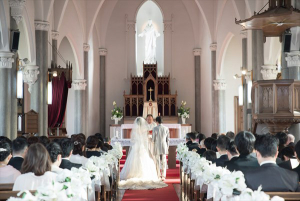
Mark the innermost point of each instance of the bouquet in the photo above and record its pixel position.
(184, 112)
(116, 113)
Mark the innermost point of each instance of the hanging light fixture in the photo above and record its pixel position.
(20, 84)
(249, 91)
(50, 93)
(241, 95)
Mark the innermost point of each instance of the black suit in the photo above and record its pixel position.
(272, 178)
(188, 143)
(16, 162)
(221, 161)
(201, 151)
(89, 154)
(193, 145)
(286, 165)
(297, 169)
(66, 164)
(242, 163)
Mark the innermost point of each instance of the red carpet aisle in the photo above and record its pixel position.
(163, 194)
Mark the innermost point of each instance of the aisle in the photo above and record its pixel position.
(163, 194)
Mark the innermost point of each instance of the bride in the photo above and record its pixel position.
(139, 171)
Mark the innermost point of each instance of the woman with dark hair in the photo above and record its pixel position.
(8, 174)
(32, 140)
(91, 145)
(78, 155)
(35, 169)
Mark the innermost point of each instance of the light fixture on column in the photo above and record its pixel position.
(20, 83)
(241, 95)
(249, 90)
(54, 74)
(236, 76)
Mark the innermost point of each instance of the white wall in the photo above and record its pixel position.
(149, 11)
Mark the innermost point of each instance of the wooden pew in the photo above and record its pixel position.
(4, 195)
(285, 195)
(6, 187)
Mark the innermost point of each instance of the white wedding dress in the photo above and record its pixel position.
(139, 171)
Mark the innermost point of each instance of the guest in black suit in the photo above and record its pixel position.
(269, 175)
(67, 147)
(297, 154)
(188, 140)
(91, 145)
(222, 142)
(288, 157)
(232, 152)
(194, 146)
(244, 142)
(19, 147)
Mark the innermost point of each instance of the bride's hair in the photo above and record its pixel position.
(140, 121)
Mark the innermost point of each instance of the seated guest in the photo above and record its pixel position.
(288, 157)
(194, 144)
(36, 169)
(188, 140)
(208, 142)
(290, 140)
(8, 173)
(19, 147)
(231, 151)
(282, 137)
(222, 142)
(244, 142)
(210, 155)
(215, 135)
(32, 140)
(67, 148)
(78, 155)
(201, 137)
(44, 140)
(101, 143)
(55, 154)
(6, 139)
(270, 176)
(214, 147)
(91, 144)
(230, 135)
(297, 154)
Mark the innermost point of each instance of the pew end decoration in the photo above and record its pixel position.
(201, 176)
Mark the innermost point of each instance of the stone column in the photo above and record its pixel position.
(6, 62)
(38, 101)
(130, 48)
(55, 36)
(257, 53)
(168, 32)
(103, 54)
(219, 105)
(79, 110)
(245, 85)
(197, 58)
(213, 48)
(86, 48)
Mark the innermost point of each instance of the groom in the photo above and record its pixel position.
(160, 138)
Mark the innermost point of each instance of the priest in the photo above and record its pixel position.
(151, 125)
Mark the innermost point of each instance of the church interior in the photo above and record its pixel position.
(87, 69)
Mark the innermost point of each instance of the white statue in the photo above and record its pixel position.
(150, 43)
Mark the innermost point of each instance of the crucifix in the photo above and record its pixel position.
(150, 90)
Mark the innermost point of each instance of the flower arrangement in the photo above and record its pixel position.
(73, 185)
(222, 184)
(116, 113)
(184, 112)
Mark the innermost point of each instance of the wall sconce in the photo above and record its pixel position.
(54, 74)
(236, 76)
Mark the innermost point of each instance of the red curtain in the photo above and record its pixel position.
(56, 111)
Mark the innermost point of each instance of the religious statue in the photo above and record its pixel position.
(150, 43)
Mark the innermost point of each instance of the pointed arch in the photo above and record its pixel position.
(223, 50)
